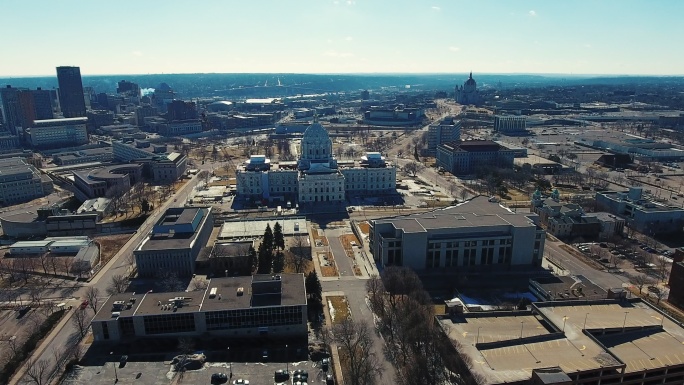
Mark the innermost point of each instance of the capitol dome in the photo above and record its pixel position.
(316, 144)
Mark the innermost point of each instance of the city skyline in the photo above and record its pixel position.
(344, 36)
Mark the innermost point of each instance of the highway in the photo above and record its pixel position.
(65, 333)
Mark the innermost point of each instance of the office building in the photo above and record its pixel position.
(569, 220)
(317, 177)
(569, 342)
(88, 155)
(446, 131)
(181, 110)
(235, 307)
(175, 241)
(110, 181)
(21, 182)
(642, 212)
(162, 165)
(510, 124)
(468, 93)
(464, 157)
(180, 127)
(54, 133)
(676, 283)
(11, 114)
(473, 235)
(71, 97)
(128, 89)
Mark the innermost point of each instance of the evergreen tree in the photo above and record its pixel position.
(252, 259)
(267, 242)
(314, 293)
(265, 260)
(279, 262)
(278, 239)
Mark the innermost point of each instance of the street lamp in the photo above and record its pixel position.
(478, 335)
(565, 318)
(287, 361)
(625, 321)
(585, 321)
(522, 325)
(116, 376)
(231, 362)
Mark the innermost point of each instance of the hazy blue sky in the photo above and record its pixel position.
(341, 36)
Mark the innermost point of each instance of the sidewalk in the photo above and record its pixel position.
(339, 379)
(38, 351)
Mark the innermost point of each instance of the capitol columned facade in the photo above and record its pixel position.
(317, 177)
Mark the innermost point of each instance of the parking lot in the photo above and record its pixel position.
(158, 373)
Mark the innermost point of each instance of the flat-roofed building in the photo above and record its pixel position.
(569, 342)
(100, 182)
(21, 182)
(465, 157)
(175, 242)
(510, 123)
(53, 133)
(470, 236)
(641, 212)
(161, 164)
(234, 307)
(446, 131)
(89, 155)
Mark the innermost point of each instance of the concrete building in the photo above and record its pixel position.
(473, 235)
(464, 157)
(89, 155)
(446, 131)
(235, 307)
(676, 283)
(181, 127)
(569, 342)
(569, 220)
(175, 241)
(316, 177)
(468, 93)
(21, 182)
(71, 97)
(510, 124)
(641, 212)
(642, 149)
(9, 107)
(54, 133)
(112, 180)
(159, 163)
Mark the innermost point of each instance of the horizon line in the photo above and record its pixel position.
(540, 74)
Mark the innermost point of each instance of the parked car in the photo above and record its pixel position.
(329, 380)
(281, 375)
(240, 381)
(325, 364)
(123, 359)
(84, 304)
(300, 375)
(219, 378)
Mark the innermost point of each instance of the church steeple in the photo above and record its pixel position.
(471, 75)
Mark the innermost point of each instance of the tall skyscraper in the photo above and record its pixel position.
(9, 103)
(71, 98)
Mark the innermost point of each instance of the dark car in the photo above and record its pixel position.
(22, 312)
(219, 378)
(281, 375)
(325, 364)
(123, 360)
(329, 380)
(300, 375)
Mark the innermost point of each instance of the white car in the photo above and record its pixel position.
(240, 381)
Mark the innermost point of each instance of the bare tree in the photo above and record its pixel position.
(413, 168)
(464, 194)
(662, 264)
(639, 280)
(118, 284)
(80, 321)
(355, 342)
(658, 293)
(37, 371)
(44, 262)
(301, 251)
(92, 294)
(169, 281)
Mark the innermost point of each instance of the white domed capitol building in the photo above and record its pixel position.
(317, 178)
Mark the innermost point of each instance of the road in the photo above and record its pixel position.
(65, 334)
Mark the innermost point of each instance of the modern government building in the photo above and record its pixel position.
(233, 307)
(317, 177)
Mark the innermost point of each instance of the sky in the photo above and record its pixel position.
(342, 36)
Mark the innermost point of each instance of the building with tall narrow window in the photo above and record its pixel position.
(71, 97)
(475, 234)
(317, 177)
(232, 307)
